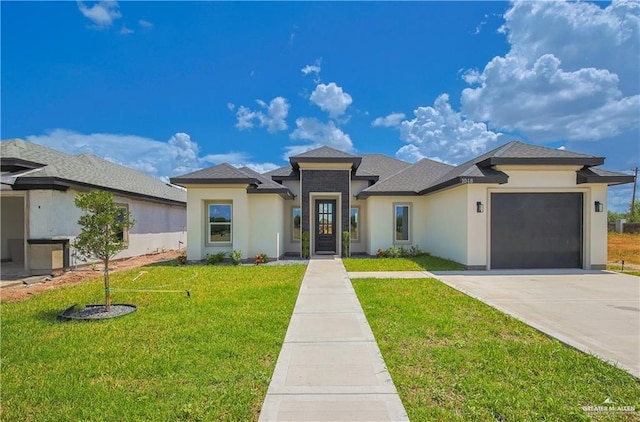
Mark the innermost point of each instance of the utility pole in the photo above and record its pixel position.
(632, 211)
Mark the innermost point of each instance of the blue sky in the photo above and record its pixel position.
(170, 87)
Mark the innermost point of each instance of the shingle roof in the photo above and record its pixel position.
(227, 174)
(380, 165)
(324, 155)
(324, 152)
(516, 152)
(221, 173)
(410, 180)
(427, 177)
(84, 169)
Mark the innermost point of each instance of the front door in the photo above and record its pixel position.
(325, 225)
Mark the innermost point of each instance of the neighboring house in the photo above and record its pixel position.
(39, 217)
(518, 206)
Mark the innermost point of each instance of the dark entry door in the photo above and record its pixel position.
(325, 225)
(536, 230)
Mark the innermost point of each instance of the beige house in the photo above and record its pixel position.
(39, 217)
(518, 206)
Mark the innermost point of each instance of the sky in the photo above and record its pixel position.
(171, 87)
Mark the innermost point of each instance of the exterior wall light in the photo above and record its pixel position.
(598, 206)
(479, 207)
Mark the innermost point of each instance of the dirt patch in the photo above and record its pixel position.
(76, 276)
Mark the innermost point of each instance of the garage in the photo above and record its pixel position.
(536, 230)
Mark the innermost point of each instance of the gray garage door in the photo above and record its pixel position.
(536, 230)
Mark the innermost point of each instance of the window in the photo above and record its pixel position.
(401, 223)
(123, 213)
(354, 223)
(220, 216)
(296, 220)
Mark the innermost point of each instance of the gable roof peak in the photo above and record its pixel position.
(324, 152)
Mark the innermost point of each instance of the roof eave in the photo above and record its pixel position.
(364, 194)
(285, 193)
(180, 181)
(581, 161)
(56, 183)
(295, 161)
(498, 179)
(609, 180)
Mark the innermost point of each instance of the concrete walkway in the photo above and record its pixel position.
(330, 367)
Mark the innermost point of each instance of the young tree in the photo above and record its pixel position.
(103, 226)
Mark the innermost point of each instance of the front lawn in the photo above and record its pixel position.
(207, 357)
(454, 358)
(419, 263)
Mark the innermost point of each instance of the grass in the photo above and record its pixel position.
(208, 357)
(454, 358)
(624, 246)
(420, 263)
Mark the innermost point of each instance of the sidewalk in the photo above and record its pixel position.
(330, 367)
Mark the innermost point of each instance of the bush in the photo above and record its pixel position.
(345, 243)
(236, 257)
(215, 258)
(401, 252)
(305, 245)
(182, 258)
(261, 258)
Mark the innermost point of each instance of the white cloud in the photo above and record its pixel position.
(231, 106)
(571, 72)
(331, 98)
(125, 30)
(440, 131)
(391, 120)
(145, 24)
(274, 119)
(310, 69)
(179, 155)
(102, 13)
(315, 68)
(311, 129)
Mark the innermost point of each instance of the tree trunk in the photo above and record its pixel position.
(107, 291)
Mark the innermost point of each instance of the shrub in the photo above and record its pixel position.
(236, 257)
(379, 253)
(392, 252)
(216, 258)
(345, 243)
(305, 245)
(261, 258)
(182, 258)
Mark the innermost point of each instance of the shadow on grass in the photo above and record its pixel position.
(49, 315)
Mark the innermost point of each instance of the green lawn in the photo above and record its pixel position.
(454, 358)
(420, 263)
(208, 357)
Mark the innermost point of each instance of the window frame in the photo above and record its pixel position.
(397, 205)
(293, 224)
(357, 238)
(209, 223)
(125, 231)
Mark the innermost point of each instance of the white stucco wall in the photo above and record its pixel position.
(53, 215)
(266, 223)
(379, 218)
(446, 223)
(197, 197)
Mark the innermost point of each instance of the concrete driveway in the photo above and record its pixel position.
(597, 312)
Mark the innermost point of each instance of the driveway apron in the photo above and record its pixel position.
(330, 367)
